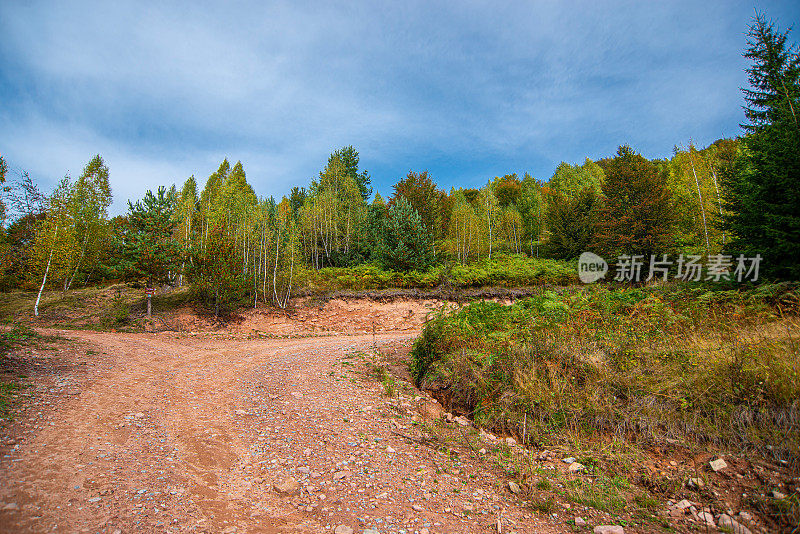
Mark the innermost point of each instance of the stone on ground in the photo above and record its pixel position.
(575, 467)
(706, 518)
(727, 522)
(718, 464)
(289, 486)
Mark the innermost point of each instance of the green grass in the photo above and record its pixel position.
(18, 335)
(605, 372)
(389, 384)
(705, 365)
(8, 392)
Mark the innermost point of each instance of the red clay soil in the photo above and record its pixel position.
(173, 432)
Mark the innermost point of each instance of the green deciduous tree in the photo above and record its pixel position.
(490, 214)
(638, 214)
(531, 207)
(465, 229)
(3, 241)
(55, 240)
(3, 172)
(215, 271)
(572, 221)
(569, 180)
(186, 216)
(89, 202)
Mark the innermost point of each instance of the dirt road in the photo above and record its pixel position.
(174, 433)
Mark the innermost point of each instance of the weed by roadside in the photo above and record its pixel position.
(16, 335)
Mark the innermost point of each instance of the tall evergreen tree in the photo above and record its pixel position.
(348, 157)
(572, 221)
(403, 244)
(762, 189)
(152, 247)
(421, 192)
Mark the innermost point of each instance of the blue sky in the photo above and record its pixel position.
(466, 90)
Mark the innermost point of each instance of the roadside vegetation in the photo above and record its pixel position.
(690, 363)
(605, 372)
(12, 338)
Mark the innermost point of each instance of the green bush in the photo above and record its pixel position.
(505, 270)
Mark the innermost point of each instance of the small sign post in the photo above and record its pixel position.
(150, 291)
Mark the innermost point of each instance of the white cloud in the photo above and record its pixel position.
(166, 90)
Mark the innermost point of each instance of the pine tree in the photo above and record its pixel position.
(151, 246)
(762, 189)
(403, 244)
(421, 192)
(349, 159)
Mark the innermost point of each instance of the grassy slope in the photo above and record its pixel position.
(596, 369)
(120, 306)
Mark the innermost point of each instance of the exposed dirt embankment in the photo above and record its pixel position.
(122, 308)
(307, 316)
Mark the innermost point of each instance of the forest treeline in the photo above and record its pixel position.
(232, 246)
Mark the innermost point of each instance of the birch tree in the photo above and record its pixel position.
(89, 202)
(464, 229)
(54, 239)
(490, 214)
(186, 216)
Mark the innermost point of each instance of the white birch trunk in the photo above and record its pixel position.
(46, 270)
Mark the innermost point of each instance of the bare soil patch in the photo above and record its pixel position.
(175, 432)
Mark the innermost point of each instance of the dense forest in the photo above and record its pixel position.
(232, 247)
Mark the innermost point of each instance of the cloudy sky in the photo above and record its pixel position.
(466, 90)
